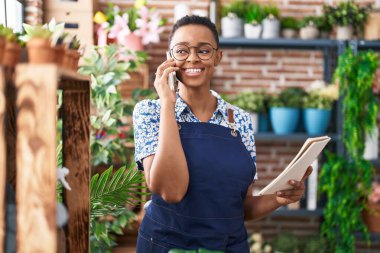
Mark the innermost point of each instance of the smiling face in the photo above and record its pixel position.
(195, 72)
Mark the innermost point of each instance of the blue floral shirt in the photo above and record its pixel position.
(146, 122)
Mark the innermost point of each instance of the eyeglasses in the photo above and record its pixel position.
(182, 52)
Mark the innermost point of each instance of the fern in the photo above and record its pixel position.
(110, 193)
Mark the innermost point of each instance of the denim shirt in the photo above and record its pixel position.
(146, 122)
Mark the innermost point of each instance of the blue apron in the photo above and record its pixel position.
(211, 214)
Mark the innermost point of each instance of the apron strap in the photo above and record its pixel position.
(231, 121)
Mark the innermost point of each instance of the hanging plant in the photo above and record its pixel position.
(346, 180)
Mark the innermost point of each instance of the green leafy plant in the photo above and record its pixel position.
(37, 31)
(317, 100)
(289, 23)
(346, 180)
(109, 195)
(254, 14)
(323, 24)
(290, 97)
(249, 101)
(347, 13)
(237, 7)
(309, 21)
(286, 242)
(108, 140)
(271, 11)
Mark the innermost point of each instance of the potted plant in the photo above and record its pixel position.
(348, 18)
(253, 18)
(348, 178)
(371, 215)
(271, 23)
(72, 55)
(232, 19)
(323, 26)
(289, 27)
(317, 108)
(2, 42)
(38, 44)
(133, 28)
(59, 48)
(12, 48)
(285, 110)
(308, 28)
(253, 103)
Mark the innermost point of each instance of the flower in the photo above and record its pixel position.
(374, 196)
(100, 18)
(139, 21)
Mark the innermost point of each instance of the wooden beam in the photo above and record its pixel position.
(2, 159)
(76, 157)
(36, 158)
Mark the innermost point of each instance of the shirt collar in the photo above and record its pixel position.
(222, 105)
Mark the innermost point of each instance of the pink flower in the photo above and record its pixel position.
(120, 29)
(374, 196)
(148, 26)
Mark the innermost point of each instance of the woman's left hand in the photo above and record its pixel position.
(293, 195)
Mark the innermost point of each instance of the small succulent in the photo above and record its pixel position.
(237, 8)
(271, 11)
(74, 43)
(37, 31)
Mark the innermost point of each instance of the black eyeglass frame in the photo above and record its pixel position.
(214, 49)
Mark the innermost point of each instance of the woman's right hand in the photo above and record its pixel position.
(161, 82)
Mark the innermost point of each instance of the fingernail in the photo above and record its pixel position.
(279, 193)
(292, 181)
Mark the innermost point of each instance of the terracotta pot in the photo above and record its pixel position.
(40, 51)
(59, 54)
(71, 59)
(11, 54)
(372, 217)
(2, 48)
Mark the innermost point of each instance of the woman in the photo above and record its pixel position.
(198, 153)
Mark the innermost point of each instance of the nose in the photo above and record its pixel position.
(193, 56)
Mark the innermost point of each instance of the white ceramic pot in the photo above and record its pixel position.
(289, 33)
(271, 28)
(252, 31)
(371, 151)
(344, 32)
(255, 121)
(232, 26)
(309, 32)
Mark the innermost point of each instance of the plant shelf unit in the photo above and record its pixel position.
(32, 93)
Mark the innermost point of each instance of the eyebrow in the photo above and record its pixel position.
(199, 43)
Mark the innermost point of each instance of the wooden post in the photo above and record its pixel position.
(76, 157)
(2, 160)
(36, 158)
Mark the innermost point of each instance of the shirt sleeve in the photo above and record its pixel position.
(146, 120)
(248, 139)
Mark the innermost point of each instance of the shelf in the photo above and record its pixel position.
(298, 212)
(376, 163)
(281, 43)
(368, 44)
(270, 136)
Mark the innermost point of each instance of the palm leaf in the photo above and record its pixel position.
(110, 192)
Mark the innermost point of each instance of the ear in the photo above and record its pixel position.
(218, 57)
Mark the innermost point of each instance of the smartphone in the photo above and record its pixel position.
(172, 79)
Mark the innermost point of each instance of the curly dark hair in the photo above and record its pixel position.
(195, 20)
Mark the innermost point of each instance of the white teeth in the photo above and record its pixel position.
(193, 70)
